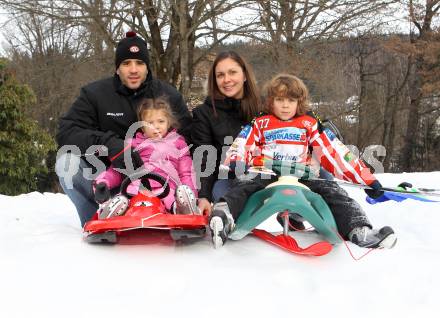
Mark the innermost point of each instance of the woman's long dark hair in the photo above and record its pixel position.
(250, 103)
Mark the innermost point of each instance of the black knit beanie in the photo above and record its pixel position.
(131, 47)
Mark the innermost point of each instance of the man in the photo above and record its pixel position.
(102, 115)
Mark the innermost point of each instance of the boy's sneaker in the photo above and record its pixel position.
(186, 202)
(373, 238)
(221, 224)
(296, 221)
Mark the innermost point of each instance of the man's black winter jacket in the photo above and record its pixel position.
(105, 109)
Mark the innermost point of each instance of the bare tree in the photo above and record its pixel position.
(285, 23)
(423, 39)
(45, 57)
(172, 28)
(175, 27)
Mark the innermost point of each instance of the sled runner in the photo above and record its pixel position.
(288, 196)
(145, 213)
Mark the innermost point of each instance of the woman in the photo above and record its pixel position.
(233, 100)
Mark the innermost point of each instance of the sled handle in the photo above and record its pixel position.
(144, 178)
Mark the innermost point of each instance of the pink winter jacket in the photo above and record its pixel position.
(168, 156)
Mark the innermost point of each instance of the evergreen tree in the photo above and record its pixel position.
(24, 146)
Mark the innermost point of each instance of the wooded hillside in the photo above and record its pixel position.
(371, 66)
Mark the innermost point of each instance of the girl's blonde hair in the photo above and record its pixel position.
(286, 85)
(160, 103)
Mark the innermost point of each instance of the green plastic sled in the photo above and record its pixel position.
(291, 198)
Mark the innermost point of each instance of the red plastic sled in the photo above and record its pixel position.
(145, 211)
(288, 243)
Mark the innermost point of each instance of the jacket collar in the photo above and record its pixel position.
(226, 104)
(124, 90)
(171, 135)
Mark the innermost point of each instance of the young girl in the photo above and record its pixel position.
(162, 151)
(289, 136)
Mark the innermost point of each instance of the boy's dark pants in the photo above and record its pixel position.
(347, 212)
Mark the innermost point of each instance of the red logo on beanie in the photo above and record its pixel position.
(134, 49)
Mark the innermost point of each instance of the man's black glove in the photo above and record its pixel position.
(119, 160)
(116, 154)
(102, 193)
(376, 191)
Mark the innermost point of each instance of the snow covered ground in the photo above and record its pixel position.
(46, 270)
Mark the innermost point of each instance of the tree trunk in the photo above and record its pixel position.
(422, 22)
(184, 44)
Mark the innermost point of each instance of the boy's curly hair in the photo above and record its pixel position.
(290, 86)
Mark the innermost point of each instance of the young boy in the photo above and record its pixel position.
(289, 136)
